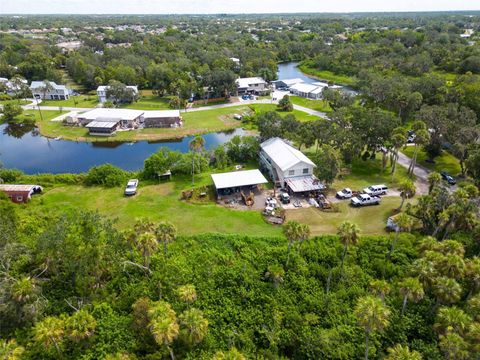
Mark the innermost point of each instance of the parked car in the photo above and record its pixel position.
(251, 97)
(376, 190)
(285, 198)
(448, 178)
(271, 202)
(245, 97)
(411, 139)
(131, 188)
(237, 117)
(364, 200)
(345, 194)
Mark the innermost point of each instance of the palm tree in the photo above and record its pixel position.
(10, 350)
(434, 179)
(291, 230)
(196, 145)
(232, 354)
(195, 326)
(163, 324)
(81, 325)
(411, 289)
(187, 293)
(23, 289)
(446, 290)
(348, 233)
(474, 336)
(398, 140)
(146, 244)
(472, 272)
(452, 319)
(403, 223)
(426, 272)
(452, 266)
(166, 233)
(372, 315)
(275, 273)
(454, 347)
(428, 243)
(400, 352)
(407, 190)
(50, 331)
(421, 138)
(46, 88)
(380, 288)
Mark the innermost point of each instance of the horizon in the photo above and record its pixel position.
(234, 7)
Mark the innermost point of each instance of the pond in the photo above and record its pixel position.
(33, 153)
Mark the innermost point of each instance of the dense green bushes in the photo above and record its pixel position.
(106, 175)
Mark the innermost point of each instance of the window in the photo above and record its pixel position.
(305, 171)
(291, 172)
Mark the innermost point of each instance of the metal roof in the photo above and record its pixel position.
(238, 179)
(41, 84)
(304, 88)
(161, 114)
(283, 155)
(123, 114)
(290, 82)
(304, 183)
(102, 124)
(247, 82)
(13, 187)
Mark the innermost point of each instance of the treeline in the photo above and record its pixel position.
(72, 286)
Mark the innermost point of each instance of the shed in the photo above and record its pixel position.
(238, 179)
(20, 193)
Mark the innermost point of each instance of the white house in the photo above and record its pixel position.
(125, 118)
(236, 61)
(288, 167)
(102, 92)
(252, 85)
(58, 92)
(308, 91)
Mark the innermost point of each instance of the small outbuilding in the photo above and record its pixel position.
(20, 193)
(227, 183)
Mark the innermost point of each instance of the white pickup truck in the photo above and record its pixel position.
(345, 194)
(364, 200)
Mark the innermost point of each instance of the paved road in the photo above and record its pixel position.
(33, 106)
(421, 173)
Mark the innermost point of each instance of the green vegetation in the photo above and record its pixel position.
(80, 101)
(318, 105)
(326, 75)
(14, 101)
(444, 162)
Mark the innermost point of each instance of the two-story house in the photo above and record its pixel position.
(288, 167)
(253, 85)
(50, 91)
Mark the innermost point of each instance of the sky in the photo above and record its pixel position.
(226, 6)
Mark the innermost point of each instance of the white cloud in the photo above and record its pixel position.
(226, 6)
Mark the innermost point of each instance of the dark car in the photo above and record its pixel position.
(448, 178)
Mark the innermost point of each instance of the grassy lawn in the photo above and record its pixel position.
(318, 105)
(370, 219)
(195, 122)
(327, 75)
(299, 115)
(149, 102)
(14, 101)
(156, 202)
(445, 162)
(81, 101)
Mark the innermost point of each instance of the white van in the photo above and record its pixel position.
(376, 190)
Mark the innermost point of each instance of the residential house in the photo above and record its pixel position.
(308, 91)
(162, 119)
(20, 193)
(236, 61)
(286, 83)
(126, 118)
(253, 85)
(103, 89)
(102, 127)
(57, 92)
(288, 167)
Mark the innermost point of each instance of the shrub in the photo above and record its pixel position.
(106, 175)
(10, 175)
